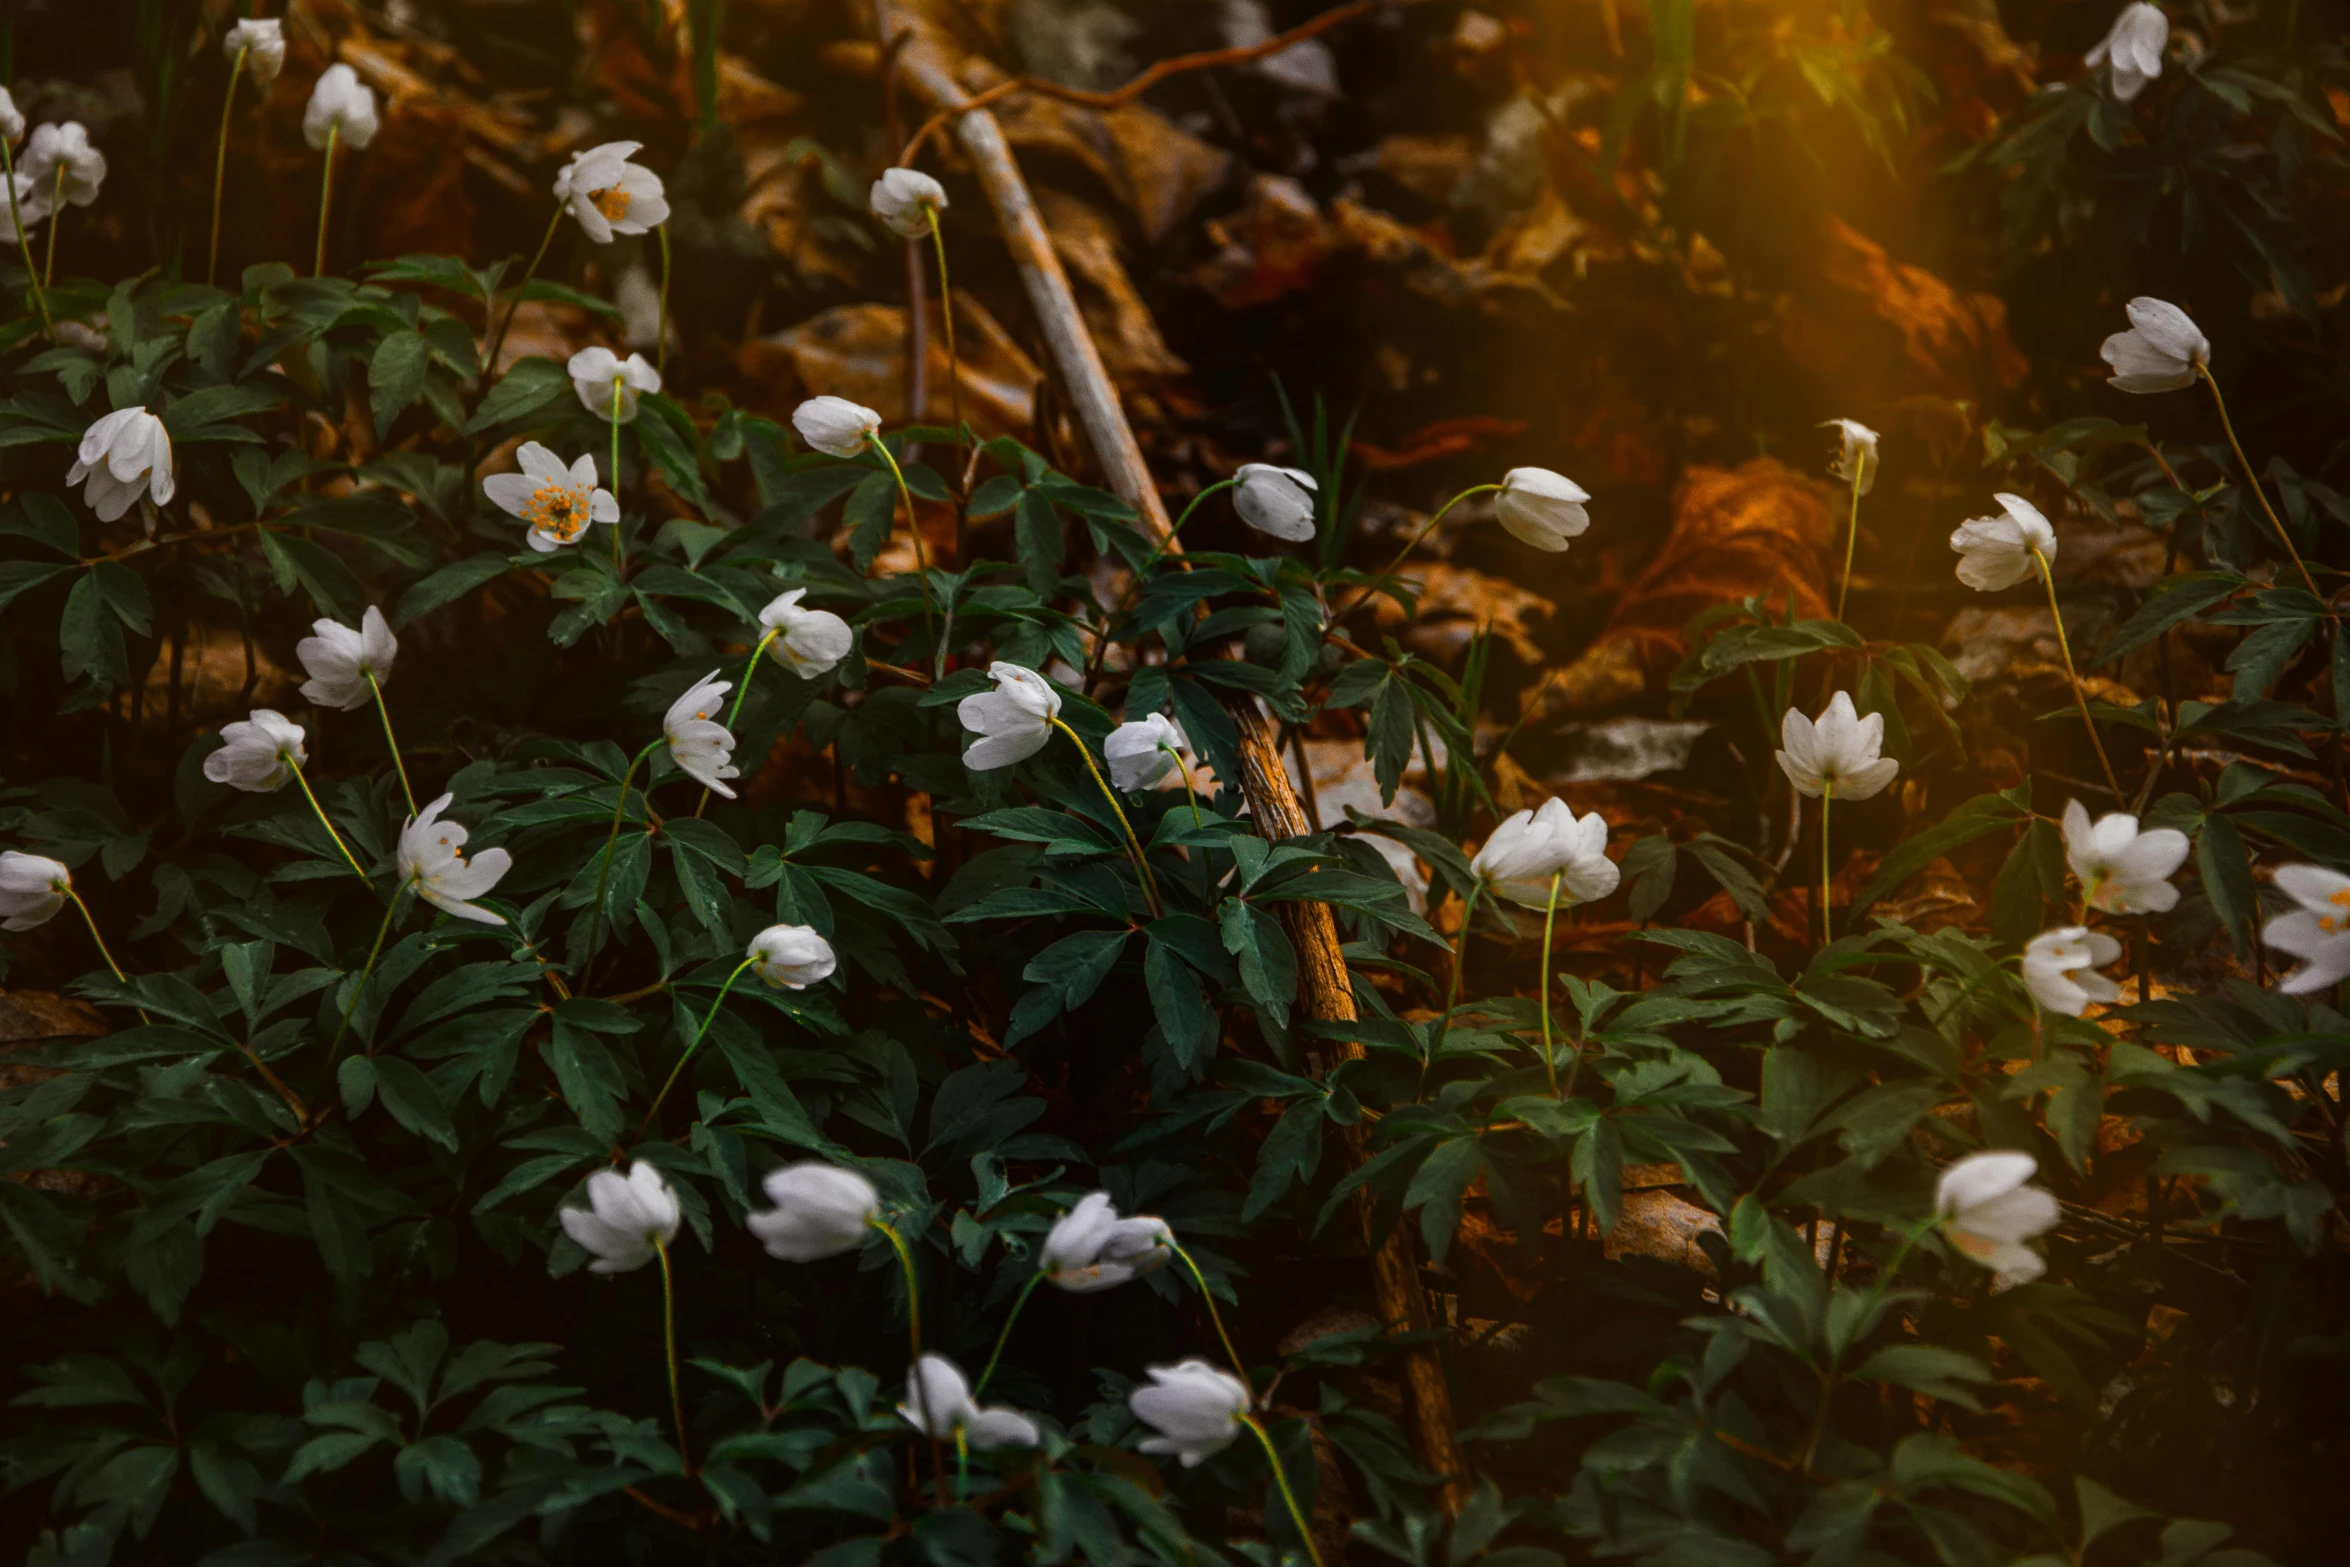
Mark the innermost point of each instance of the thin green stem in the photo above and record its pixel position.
(946, 313)
(326, 194)
(1549, 916)
(349, 858)
(669, 1343)
(23, 246)
(661, 337)
(1452, 989)
(1410, 545)
(489, 361)
(962, 1464)
(1239, 1366)
(1827, 915)
(1183, 771)
(604, 874)
(390, 739)
(1134, 585)
(1005, 1336)
(1297, 1514)
(219, 162)
(897, 1244)
(1142, 864)
(1851, 541)
(741, 694)
(90, 920)
(1829, 1378)
(56, 222)
(699, 1035)
(617, 384)
(938, 656)
(2080, 693)
(2253, 479)
(382, 928)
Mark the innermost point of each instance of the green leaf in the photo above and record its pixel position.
(1268, 963)
(395, 376)
(320, 572)
(447, 585)
(1437, 1189)
(869, 517)
(531, 387)
(2227, 879)
(2172, 600)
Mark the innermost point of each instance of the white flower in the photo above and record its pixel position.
(64, 147)
(1530, 848)
(904, 199)
(1856, 455)
(1013, 721)
(11, 117)
(262, 41)
(836, 425)
(610, 195)
(556, 501)
(1278, 501)
(599, 375)
(791, 957)
(1840, 751)
(123, 453)
(811, 641)
(1143, 751)
(1988, 1213)
(32, 888)
(341, 104)
(633, 1216)
(939, 1404)
(32, 206)
(698, 743)
(1541, 508)
(2054, 957)
(258, 754)
(2159, 352)
(1090, 1248)
(1195, 1408)
(1996, 552)
(339, 660)
(821, 1210)
(2123, 870)
(431, 860)
(2134, 48)
(2318, 932)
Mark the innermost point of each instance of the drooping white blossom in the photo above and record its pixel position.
(2133, 47)
(1013, 721)
(339, 660)
(558, 502)
(701, 746)
(835, 425)
(609, 195)
(811, 641)
(629, 1218)
(1090, 1248)
(341, 106)
(1839, 751)
(904, 199)
(2159, 352)
(1988, 1213)
(939, 1404)
(1277, 501)
(1996, 552)
(2123, 870)
(602, 379)
(1143, 751)
(821, 1210)
(2317, 930)
(60, 163)
(11, 117)
(32, 888)
(1531, 847)
(123, 454)
(257, 754)
(2060, 969)
(262, 41)
(791, 957)
(1856, 454)
(1195, 1408)
(1541, 508)
(431, 860)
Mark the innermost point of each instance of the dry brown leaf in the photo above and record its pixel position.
(1275, 244)
(859, 352)
(1158, 171)
(1456, 603)
(1875, 328)
(1086, 238)
(1428, 166)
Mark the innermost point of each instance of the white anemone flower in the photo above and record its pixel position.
(32, 888)
(1529, 849)
(340, 660)
(821, 1210)
(11, 117)
(341, 108)
(2123, 870)
(610, 195)
(1542, 508)
(904, 199)
(2317, 931)
(1856, 453)
(262, 41)
(32, 206)
(1195, 1408)
(939, 1404)
(63, 151)
(432, 861)
(1278, 501)
(1840, 750)
(792, 957)
(2060, 969)
(1143, 751)
(812, 641)
(2133, 47)
(1988, 1213)
(124, 453)
(698, 743)
(605, 382)
(1013, 721)
(558, 502)
(1996, 552)
(2160, 351)
(257, 754)
(835, 425)
(630, 1218)
(1090, 1248)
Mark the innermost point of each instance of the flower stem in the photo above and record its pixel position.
(699, 1035)
(349, 858)
(16, 218)
(661, 330)
(489, 361)
(1183, 771)
(1142, 864)
(119, 976)
(617, 565)
(604, 875)
(1827, 914)
(669, 1344)
(389, 739)
(2253, 479)
(219, 162)
(2080, 693)
(938, 654)
(1005, 1336)
(1851, 541)
(1101, 646)
(1452, 989)
(382, 928)
(897, 1244)
(1239, 1366)
(1410, 545)
(56, 222)
(1549, 915)
(1297, 1514)
(946, 311)
(741, 694)
(326, 192)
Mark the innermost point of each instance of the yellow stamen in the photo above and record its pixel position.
(611, 202)
(560, 511)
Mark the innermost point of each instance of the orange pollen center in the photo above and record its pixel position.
(612, 202)
(2334, 922)
(560, 511)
